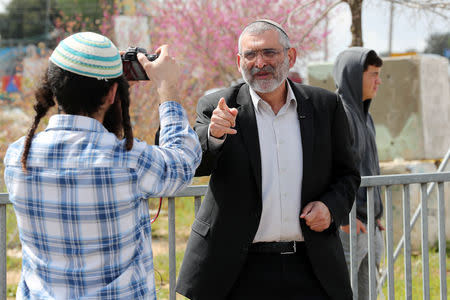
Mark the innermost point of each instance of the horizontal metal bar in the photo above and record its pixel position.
(367, 181)
(193, 190)
(4, 198)
(190, 191)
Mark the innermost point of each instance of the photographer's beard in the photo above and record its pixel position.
(279, 72)
(113, 118)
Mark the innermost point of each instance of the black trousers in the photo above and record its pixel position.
(278, 277)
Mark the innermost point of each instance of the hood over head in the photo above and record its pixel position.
(348, 75)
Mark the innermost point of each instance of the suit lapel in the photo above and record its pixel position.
(247, 127)
(306, 118)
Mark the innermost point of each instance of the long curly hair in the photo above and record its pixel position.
(81, 95)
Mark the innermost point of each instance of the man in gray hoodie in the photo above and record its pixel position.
(357, 76)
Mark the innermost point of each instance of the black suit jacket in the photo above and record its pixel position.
(230, 213)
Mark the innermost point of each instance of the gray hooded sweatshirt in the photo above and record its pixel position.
(348, 76)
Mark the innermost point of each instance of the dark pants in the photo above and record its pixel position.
(278, 277)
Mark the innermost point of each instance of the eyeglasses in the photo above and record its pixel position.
(268, 53)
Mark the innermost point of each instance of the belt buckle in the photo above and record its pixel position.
(291, 252)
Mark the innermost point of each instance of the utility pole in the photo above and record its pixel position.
(47, 19)
(325, 54)
(391, 25)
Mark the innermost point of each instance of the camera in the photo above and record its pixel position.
(132, 69)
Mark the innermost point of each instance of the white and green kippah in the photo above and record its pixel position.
(88, 54)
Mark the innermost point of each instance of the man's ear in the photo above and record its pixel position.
(292, 54)
(109, 98)
(238, 62)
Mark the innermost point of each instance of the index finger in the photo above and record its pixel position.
(162, 50)
(142, 58)
(222, 104)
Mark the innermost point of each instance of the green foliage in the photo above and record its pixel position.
(26, 19)
(81, 15)
(13, 263)
(11, 290)
(184, 216)
(31, 21)
(437, 43)
(161, 266)
(12, 235)
(417, 285)
(435, 248)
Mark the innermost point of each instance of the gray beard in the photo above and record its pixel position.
(266, 85)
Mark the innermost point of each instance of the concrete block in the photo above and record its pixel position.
(412, 108)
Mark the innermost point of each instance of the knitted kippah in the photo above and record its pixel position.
(88, 54)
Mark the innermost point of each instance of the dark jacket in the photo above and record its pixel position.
(348, 75)
(230, 213)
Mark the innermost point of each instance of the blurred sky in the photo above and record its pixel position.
(410, 29)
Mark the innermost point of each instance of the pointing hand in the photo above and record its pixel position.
(222, 120)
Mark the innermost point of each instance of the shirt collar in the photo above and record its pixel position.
(290, 97)
(74, 123)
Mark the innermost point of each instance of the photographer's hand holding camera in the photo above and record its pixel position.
(90, 178)
(164, 72)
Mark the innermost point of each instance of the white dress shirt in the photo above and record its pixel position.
(281, 169)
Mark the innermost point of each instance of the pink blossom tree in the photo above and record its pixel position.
(204, 34)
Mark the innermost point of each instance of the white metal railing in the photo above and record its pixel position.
(371, 182)
(405, 181)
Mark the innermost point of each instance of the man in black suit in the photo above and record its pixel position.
(282, 180)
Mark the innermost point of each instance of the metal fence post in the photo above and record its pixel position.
(425, 247)
(3, 271)
(197, 203)
(172, 250)
(407, 235)
(442, 241)
(353, 252)
(389, 243)
(371, 243)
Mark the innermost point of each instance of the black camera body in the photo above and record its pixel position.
(132, 69)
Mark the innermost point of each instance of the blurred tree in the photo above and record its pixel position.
(203, 35)
(25, 19)
(438, 43)
(205, 32)
(83, 15)
(31, 21)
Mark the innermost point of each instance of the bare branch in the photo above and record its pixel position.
(424, 4)
(317, 21)
(440, 8)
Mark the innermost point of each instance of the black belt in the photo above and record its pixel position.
(277, 247)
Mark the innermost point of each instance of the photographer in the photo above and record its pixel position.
(80, 187)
